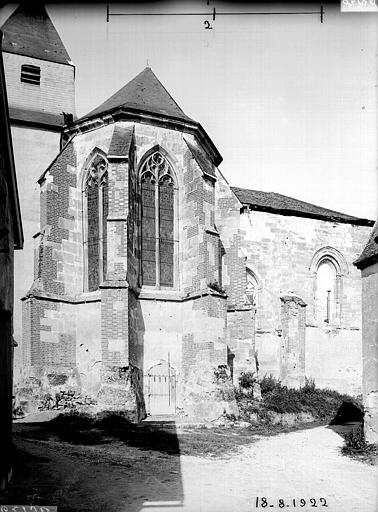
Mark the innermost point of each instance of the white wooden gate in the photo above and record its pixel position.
(161, 389)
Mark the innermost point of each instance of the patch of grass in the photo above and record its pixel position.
(103, 429)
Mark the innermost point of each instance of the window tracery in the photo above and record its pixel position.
(157, 226)
(97, 205)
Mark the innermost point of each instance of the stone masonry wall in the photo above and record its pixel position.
(279, 249)
(197, 261)
(370, 350)
(227, 221)
(59, 262)
(200, 244)
(133, 225)
(117, 222)
(59, 248)
(292, 353)
(241, 314)
(241, 341)
(204, 350)
(88, 357)
(54, 95)
(29, 164)
(191, 334)
(49, 351)
(159, 335)
(114, 327)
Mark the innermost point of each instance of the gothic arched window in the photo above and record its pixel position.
(328, 267)
(325, 291)
(157, 226)
(251, 287)
(96, 193)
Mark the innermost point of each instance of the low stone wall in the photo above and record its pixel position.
(285, 419)
(121, 389)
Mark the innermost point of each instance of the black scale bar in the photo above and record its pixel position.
(214, 13)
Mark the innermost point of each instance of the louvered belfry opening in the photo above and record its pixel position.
(30, 74)
(157, 226)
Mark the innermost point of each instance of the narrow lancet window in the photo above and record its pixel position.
(166, 248)
(96, 191)
(93, 236)
(148, 230)
(325, 299)
(251, 287)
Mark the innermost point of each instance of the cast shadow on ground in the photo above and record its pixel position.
(109, 466)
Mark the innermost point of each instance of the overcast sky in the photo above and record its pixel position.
(290, 103)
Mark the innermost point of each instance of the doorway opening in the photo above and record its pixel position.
(161, 394)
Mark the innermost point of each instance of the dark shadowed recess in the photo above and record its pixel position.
(348, 412)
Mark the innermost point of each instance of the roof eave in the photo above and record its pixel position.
(361, 264)
(56, 61)
(133, 115)
(297, 213)
(36, 124)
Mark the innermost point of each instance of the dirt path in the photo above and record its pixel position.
(304, 464)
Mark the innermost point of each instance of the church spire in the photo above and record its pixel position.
(29, 31)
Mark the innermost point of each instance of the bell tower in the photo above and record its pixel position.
(40, 80)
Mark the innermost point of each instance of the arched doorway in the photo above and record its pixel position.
(161, 389)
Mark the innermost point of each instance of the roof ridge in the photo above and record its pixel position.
(166, 90)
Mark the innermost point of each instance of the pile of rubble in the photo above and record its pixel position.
(65, 400)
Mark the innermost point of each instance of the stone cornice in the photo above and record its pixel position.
(122, 114)
(143, 294)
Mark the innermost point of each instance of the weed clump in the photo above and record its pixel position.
(321, 404)
(356, 446)
(247, 380)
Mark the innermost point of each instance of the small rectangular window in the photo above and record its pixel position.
(30, 74)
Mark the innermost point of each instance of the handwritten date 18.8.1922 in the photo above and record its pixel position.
(263, 502)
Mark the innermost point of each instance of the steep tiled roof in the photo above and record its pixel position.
(285, 205)
(370, 253)
(203, 162)
(30, 32)
(143, 93)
